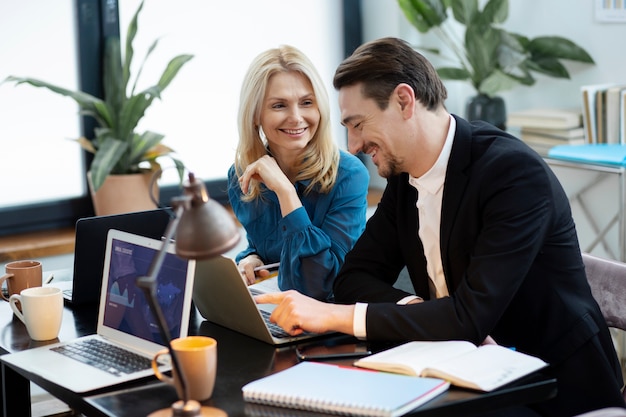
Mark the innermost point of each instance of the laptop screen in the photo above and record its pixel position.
(126, 308)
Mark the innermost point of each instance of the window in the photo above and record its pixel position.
(39, 161)
(44, 184)
(198, 111)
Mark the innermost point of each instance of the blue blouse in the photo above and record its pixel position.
(310, 242)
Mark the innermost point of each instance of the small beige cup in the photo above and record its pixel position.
(197, 356)
(42, 311)
(21, 275)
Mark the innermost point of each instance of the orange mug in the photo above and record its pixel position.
(197, 356)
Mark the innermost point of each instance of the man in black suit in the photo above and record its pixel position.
(482, 225)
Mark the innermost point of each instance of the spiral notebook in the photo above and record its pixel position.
(333, 389)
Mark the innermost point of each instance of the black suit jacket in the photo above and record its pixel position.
(510, 255)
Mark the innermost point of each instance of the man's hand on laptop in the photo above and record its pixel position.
(296, 313)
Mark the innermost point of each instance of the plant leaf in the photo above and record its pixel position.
(558, 47)
(84, 100)
(547, 65)
(424, 14)
(86, 144)
(144, 147)
(511, 52)
(448, 73)
(180, 168)
(496, 11)
(464, 10)
(145, 59)
(113, 82)
(172, 69)
(495, 82)
(109, 152)
(481, 44)
(131, 32)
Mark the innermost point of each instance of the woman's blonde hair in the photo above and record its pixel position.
(321, 156)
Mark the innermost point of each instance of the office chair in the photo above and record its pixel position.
(607, 279)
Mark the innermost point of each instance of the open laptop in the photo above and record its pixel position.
(81, 284)
(222, 297)
(124, 317)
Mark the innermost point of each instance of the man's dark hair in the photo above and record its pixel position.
(382, 64)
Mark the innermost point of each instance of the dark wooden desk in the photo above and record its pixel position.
(240, 360)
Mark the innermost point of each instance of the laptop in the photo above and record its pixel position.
(81, 284)
(124, 318)
(222, 297)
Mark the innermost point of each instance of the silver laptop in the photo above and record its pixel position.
(124, 318)
(222, 297)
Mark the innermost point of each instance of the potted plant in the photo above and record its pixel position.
(118, 149)
(489, 57)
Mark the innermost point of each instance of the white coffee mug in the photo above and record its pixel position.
(42, 311)
(197, 356)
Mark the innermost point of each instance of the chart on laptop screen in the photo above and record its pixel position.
(126, 307)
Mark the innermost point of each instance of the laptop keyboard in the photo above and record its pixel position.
(105, 356)
(274, 328)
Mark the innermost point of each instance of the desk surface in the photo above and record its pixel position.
(240, 360)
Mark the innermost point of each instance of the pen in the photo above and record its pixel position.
(268, 266)
(49, 279)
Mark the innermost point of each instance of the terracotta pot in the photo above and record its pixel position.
(124, 194)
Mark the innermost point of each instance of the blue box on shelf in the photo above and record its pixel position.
(609, 154)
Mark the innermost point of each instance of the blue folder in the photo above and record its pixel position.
(610, 154)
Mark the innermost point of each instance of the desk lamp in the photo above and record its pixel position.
(203, 229)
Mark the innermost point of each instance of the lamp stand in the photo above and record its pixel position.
(184, 407)
(190, 408)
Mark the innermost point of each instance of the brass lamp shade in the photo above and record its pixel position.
(205, 228)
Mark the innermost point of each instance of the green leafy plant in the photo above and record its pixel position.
(489, 57)
(117, 147)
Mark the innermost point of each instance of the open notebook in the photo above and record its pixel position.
(222, 297)
(124, 318)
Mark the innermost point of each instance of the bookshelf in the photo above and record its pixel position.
(597, 195)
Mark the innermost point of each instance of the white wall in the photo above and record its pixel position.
(574, 20)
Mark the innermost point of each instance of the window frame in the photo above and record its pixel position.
(95, 20)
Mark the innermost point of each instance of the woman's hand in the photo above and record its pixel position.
(267, 171)
(246, 267)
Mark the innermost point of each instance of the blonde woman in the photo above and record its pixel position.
(301, 200)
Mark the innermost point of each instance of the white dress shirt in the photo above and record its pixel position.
(430, 193)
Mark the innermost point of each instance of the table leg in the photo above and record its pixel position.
(15, 394)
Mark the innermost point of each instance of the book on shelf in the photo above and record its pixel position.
(622, 119)
(542, 118)
(541, 140)
(529, 137)
(573, 133)
(613, 113)
(591, 108)
(482, 368)
(543, 143)
(333, 389)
